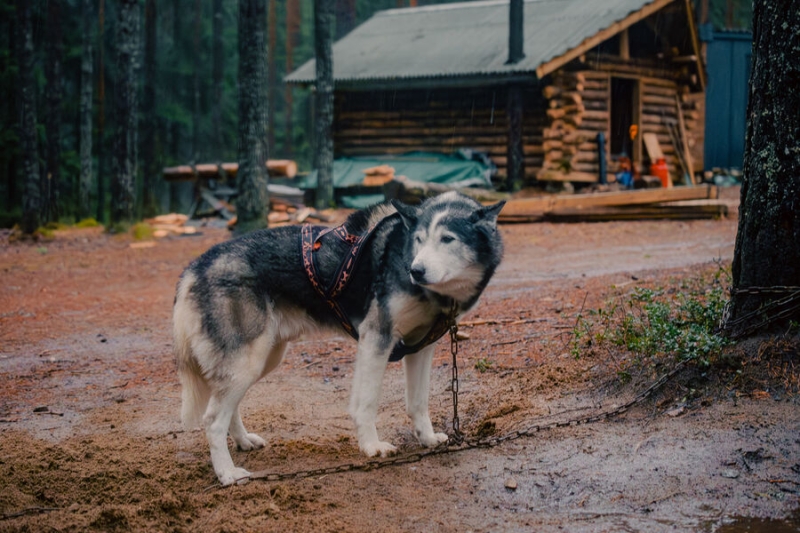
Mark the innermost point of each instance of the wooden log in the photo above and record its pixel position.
(276, 167)
(578, 177)
(538, 206)
(556, 113)
(550, 92)
(575, 120)
(572, 98)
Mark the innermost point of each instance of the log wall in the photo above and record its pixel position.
(579, 107)
(442, 121)
(562, 117)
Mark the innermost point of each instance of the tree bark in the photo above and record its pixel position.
(198, 63)
(767, 252)
(124, 177)
(292, 33)
(85, 180)
(216, 75)
(272, 77)
(52, 188)
(101, 114)
(151, 175)
(323, 122)
(252, 204)
(28, 144)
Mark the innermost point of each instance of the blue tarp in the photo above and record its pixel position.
(457, 170)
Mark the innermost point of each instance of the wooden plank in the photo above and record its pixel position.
(645, 212)
(687, 154)
(653, 147)
(545, 204)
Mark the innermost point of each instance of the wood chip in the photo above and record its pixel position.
(511, 483)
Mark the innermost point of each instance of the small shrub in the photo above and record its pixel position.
(87, 223)
(678, 321)
(142, 231)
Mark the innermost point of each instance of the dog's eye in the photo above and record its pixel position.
(446, 239)
(418, 239)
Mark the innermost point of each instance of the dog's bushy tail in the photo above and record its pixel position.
(195, 391)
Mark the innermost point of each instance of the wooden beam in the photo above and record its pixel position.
(589, 43)
(545, 204)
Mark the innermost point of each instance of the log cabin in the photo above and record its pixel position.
(531, 89)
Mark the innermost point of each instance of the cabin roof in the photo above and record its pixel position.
(470, 40)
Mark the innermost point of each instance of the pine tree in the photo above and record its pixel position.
(323, 121)
(29, 147)
(252, 203)
(124, 174)
(767, 253)
(85, 181)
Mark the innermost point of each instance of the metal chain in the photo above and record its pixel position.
(457, 442)
(457, 437)
(788, 305)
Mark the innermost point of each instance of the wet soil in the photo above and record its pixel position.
(90, 437)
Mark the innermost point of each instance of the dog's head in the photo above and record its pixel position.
(455, 246)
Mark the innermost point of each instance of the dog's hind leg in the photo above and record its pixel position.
(418, 376)
(222, 413)
(250, 441)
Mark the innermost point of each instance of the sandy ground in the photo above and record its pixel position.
(90, 437)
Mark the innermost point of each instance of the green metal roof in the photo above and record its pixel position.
(470, 39)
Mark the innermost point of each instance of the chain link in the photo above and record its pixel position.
(457, 442)
(457, 437)
(786, 306)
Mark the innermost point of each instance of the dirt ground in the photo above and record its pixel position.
(90, 437)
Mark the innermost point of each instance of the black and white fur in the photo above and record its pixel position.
(239, 304)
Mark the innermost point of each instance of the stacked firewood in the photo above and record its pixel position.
(377, 176)
(562, 138)
(170, 224)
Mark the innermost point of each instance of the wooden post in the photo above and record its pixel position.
(516, 157)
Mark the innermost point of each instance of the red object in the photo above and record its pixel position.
(661, 171)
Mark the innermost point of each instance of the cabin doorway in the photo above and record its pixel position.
(624, 114)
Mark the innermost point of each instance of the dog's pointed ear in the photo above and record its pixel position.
(489, 213)
(408, 213)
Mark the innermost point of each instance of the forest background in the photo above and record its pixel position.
(188, 115)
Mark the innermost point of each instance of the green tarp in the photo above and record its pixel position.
(417, 166)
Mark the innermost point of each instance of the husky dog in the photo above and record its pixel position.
(391, 276)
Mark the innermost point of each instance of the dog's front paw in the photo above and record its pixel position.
(384, 449)
(250, 441)
(233, 475)
(431, 440)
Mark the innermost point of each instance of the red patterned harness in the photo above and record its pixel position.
(313, 238)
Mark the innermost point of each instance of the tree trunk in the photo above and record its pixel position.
(323, 121)
(345, 17)
(252, 179)
(292, 33)
(124, 177)
(85, 181)
(151, 176)
(272, 83)
(198, 62)
(28, 145)
(101, 114)
(52, 188)
(216, 75)
(767, 253)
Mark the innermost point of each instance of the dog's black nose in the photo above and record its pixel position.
(417, 274)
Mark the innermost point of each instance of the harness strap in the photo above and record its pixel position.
(311, 242)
